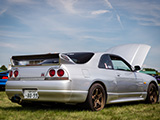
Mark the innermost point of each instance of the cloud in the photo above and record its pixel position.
(53, 19)
(146, 13)
(21, 1)
(7, 45)
(48, 21)
(117, 15)
(14, 34)
(97, 12)
(3, 11)
(69, 5)
(119, 20)
(109, 4)
(63, 5)
(100, 39)
(145, 21)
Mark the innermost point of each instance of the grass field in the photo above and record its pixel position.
(130, 111)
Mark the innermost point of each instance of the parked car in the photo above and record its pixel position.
(3, 79)
(78, 77)
(151, 72)
(158, 79)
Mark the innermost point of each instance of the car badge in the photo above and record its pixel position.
(42, 74)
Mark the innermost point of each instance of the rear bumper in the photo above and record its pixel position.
(49, 91)
(64, 96)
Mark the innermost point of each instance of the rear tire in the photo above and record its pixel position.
(152, 94)
(96, 99)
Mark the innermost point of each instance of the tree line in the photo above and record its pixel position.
(3, 67)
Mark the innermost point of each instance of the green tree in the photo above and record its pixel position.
(3, 67)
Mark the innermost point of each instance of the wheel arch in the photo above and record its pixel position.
(154, 84)
(103, 85)
(157, 87)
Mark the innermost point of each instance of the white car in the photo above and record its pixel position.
(82, 77)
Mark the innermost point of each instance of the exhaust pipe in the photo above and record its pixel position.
(16, 99)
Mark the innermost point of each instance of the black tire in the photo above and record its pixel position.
(152, 94)
(96, 99)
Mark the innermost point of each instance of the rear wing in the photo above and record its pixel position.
(41, 60)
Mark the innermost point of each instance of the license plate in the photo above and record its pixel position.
(30, 94)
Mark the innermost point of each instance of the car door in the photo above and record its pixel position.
(127, 82)
(108, 76)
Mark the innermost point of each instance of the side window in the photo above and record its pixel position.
(105, 62)
(120, 64)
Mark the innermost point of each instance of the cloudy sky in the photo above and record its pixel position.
(44, 26)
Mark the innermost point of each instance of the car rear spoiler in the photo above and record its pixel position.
(35, 57)
(62, 59)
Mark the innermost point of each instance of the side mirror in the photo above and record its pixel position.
(136, 68)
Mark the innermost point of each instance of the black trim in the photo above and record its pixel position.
(36, 57)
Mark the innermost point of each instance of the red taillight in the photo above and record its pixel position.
(52, 73)
(4, 77)
(15, 73)
(60, 72)
(57, 74)
(10, 74)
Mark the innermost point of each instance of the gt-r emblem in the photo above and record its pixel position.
(42, 74)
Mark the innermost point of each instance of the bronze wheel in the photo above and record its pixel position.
(96, 97)
(152, 95)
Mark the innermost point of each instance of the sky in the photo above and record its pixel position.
(48, 26)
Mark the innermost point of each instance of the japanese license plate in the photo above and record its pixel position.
(30, 94)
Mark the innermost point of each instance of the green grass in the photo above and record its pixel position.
(130, 111)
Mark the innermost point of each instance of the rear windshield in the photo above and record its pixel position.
(80, 58)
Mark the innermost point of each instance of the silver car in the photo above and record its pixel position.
(78, 77)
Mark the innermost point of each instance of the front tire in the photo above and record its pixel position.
(96, 99)
(152, 94)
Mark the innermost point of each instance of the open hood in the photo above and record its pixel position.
(135, 54)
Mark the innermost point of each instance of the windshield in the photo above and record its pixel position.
(80, 58)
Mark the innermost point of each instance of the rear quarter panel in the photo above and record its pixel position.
(83, 76)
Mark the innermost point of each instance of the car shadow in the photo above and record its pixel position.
(62, 107)
(2, 89)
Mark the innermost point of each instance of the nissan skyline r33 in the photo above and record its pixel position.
(96, 79)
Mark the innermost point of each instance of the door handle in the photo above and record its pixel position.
(118, 75)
